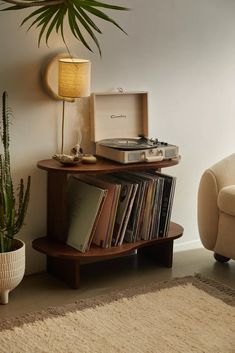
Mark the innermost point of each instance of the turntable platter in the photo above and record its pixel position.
(127, 143)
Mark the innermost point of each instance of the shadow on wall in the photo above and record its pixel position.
(23, 81)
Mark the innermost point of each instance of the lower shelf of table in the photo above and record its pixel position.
(63, 261)
(50, 247)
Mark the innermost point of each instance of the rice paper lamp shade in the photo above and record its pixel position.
(74, 78)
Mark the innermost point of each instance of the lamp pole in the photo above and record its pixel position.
(62, 130)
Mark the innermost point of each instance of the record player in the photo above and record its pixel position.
(135, 150)
(120, 127)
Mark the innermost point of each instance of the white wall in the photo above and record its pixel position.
(181, 51)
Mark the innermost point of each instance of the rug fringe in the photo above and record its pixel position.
(215, 288)
(220, 286)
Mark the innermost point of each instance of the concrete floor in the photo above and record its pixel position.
(40, 291)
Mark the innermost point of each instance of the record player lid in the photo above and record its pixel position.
(115, 115)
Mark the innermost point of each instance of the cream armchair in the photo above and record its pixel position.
(216, 209)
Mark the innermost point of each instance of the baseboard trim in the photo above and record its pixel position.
(188, 245)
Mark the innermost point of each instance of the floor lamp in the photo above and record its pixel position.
(73, 82)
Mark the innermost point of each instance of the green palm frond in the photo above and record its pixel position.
(51, 14)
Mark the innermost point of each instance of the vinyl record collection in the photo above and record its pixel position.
(107, 210)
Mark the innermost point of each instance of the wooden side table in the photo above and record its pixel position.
(63, 261)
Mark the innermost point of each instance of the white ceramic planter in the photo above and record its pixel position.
(12, 268)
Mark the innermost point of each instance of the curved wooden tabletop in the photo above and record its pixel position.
(103, 166)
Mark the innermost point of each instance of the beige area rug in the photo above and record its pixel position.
(185, 315)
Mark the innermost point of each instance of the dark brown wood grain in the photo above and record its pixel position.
(67, 270)
(63, 261)
(161, 252)
(57, 206)
(103, 166)
(55, 249)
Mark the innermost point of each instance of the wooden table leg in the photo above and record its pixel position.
(57, 206)
(162, 252)
(65, 269)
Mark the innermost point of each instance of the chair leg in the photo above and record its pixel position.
(221, 258)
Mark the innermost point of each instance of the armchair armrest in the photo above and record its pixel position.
(226, 200)
(207, 209)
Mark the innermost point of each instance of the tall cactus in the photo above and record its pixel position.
(12, 209)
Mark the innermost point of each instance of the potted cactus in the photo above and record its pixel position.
(12, 214)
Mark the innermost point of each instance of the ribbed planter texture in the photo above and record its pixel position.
(12, 268)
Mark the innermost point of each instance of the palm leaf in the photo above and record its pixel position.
(88, 29)
(52, 25)
(39, 18)
(14, 7)
(75, 29)
(94, 3)
(34, 13)
(101, 15)
(87, 19)
(44, 23)
(46, 14)
(60, 21)
(50, 17)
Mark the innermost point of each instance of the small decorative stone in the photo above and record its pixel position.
(89, 159)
